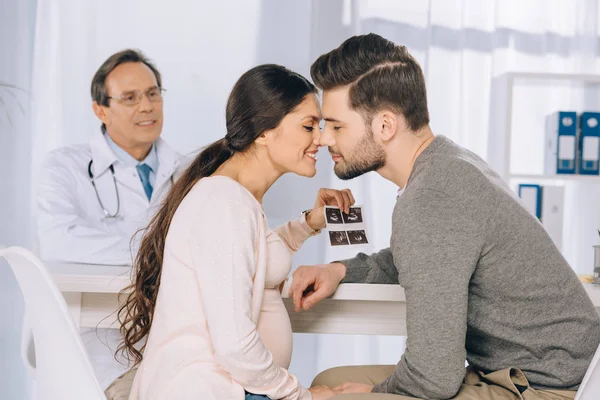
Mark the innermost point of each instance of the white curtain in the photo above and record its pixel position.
(201, 48)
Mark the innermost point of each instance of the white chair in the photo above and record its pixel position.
(62, 367)
(590, 386)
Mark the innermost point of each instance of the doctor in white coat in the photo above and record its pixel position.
(94, 197)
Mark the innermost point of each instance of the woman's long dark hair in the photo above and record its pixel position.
(260, 99)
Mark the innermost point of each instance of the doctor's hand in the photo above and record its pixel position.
(311, 284)
(328, 197)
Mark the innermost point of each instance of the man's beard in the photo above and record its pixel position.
(366, 156)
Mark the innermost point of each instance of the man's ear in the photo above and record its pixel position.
(100, 113)
(385, 125)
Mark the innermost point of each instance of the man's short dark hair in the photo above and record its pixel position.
(381, 74)
(99, 94)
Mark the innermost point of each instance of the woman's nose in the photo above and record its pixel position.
(317, 137)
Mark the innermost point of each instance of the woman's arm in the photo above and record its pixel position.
(223, 252)
(295, 232)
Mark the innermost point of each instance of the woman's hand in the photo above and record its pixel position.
(328, 197)
(322, 392)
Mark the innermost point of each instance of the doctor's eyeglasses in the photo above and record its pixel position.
(133, 98)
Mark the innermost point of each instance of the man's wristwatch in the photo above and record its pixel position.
(305, 213)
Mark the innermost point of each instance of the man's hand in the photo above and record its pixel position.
(352, 387)
(328, 197)
(311, 284)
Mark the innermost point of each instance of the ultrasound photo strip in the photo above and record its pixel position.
(346, 229)
(338, 220)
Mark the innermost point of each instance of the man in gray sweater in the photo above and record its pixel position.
(483, 280)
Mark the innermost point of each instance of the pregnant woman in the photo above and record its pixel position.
(206, 278)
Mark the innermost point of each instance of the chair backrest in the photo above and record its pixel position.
(590, 386)
(63, 369)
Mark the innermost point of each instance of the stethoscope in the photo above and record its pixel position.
(112, 171)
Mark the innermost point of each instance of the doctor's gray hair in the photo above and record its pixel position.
(98, 89)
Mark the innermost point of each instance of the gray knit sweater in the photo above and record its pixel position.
(483, 280)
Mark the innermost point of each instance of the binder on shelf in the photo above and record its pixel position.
(561, 143)
(531, 195)
(547, 204)
(589, 143)
(553, 201)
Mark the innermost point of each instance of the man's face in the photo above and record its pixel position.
(351, 142)
(138, 124)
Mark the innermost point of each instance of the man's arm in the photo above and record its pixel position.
(437, 247)
(375, 268)
(311, 284)
(63, 234)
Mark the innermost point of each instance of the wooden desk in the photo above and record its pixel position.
(91, 293)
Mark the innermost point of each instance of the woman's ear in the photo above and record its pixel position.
(262, 139)
(265, 137)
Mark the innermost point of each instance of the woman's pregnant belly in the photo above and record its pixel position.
(275, 329)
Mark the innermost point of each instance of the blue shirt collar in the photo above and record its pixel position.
(151, 159)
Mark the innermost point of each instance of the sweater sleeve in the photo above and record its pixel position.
(374, 268)
(223, 251)
(436, 246)
(294, 233)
